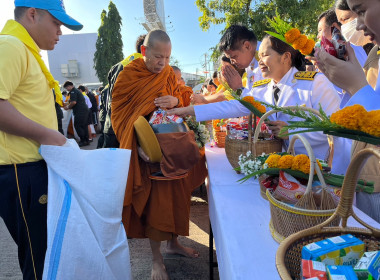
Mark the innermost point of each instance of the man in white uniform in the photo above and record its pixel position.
(240, 45)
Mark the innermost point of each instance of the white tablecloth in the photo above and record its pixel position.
(240, 218)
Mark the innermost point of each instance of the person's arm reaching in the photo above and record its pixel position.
(13, 122)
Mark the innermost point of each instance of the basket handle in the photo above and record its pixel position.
(313, 161)
(344, 209)
(306, 109)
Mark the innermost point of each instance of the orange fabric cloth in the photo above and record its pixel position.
(186, 92)
(148, 203)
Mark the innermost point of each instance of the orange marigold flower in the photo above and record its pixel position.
(352, 117)
(309, 47)
(371, 124)
(272, 161)
(215, 125)
(292, 35)
(301, 163)
(261, 108)
(300, 42)
(285, 162)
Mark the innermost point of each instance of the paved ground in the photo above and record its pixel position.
(179, 268)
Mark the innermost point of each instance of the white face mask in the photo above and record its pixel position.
(354, 36)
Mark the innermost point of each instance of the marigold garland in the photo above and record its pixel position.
(308, 48)
(292, 35)
(300, 42)
(301, 163)
(352, 117)
(272, 161)
(261, 108)
(371, 123)
(286, 162)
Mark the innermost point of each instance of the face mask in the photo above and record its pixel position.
(354, 36)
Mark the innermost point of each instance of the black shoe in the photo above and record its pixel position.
(81, 144)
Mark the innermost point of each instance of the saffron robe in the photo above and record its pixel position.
(153, 209)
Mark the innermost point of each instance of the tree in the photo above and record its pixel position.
(303, 14)
(174, 62)
(109, 45)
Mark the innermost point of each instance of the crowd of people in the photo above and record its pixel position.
(157, 205)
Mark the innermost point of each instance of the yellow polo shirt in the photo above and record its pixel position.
(24, 85)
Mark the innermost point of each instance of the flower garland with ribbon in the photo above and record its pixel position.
(291, 36)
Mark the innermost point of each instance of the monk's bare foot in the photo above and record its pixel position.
(159, 270)
(173, 247)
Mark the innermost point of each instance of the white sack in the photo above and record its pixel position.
(86, 239)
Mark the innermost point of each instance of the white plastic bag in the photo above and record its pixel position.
(86, 239)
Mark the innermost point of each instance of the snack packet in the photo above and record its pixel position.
(160, 117)
(289, 190)
(336, 47)
(312, 269)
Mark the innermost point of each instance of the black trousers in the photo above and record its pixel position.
(80, 125)
(23, 207)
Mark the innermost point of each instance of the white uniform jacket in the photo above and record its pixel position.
(253, 72)
(309, 93)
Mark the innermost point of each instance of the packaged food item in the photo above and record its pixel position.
(289, 189)
(368, 266)
(335, 192)
(351, 248)
(160, 117)
(341, 272)
(312, 269)
(336, 47)
(322, 251)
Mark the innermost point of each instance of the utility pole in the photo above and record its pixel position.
(206, 65)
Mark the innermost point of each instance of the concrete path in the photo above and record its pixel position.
(179, 268)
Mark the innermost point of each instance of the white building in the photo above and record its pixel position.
(73, 59)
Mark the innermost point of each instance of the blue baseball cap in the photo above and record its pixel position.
(55, 7)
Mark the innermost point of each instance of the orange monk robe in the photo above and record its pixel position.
(154, 209)
(186, 92)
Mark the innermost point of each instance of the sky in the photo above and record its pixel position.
(189, 42)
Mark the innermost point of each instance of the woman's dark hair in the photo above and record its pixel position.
(82, 88)
(342, 5)
(298, 60)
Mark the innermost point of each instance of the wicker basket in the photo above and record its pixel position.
(234, 147)
(220, 138)
(288, 257)
(286, 219)
(263, 190)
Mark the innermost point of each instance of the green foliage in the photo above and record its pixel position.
(174, 62)
(302, 14)
(109, 45)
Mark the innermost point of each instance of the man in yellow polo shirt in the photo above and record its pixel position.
(27, 120)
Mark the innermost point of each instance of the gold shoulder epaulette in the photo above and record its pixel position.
(305, 75)
(261, 82)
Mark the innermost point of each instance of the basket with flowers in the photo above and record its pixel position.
(219, 132)
(300, 193)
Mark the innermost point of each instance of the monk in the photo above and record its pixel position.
(186, 91)
(158, 210)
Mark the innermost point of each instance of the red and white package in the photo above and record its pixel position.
(289, 189)
(161, 117)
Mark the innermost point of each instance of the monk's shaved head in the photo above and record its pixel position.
(154, 36)
(156, 50)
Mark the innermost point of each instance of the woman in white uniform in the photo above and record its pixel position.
(280, 64)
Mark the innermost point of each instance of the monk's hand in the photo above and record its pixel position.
(182, 112)
(348, 75)
(275, 127)
(166, 101)
(232, 77)
(198, 99)
(142, 154)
